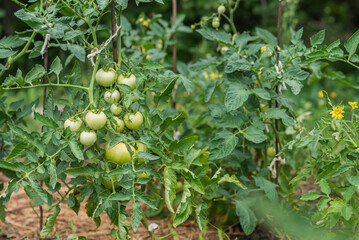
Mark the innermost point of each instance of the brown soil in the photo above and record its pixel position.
(23, 222)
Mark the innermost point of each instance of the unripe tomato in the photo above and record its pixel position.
(112, 97)
(142, 175)
(107, 183)
(140, 148)
(135, 98)
(271, 152)
(88, 138)
(221, 9)
(119, 153)
(120, 124)
(179, 186)
(105, 79)
(129, 81)
(95, 120)
(116, 109)
(74, 124)
(133, 121)
(215, 22)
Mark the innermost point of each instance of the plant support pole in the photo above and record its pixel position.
(43, 108)
(113, 26)
(174, 18)
(276, 87)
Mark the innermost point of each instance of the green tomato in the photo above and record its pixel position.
(140, 148)
(88, 138)
(118, 154)
(107, 183)
(74, 124)
(105, 79)
(221, 9)
(95, 120)
(119, 124)
(215, 22)
(135, 98)
(112, 97)
(133, 121)
(271, 152)
(116, 109)
(129, 81)
(179, 186)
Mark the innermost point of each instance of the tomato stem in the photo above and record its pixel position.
(11, 60)
(90, 90)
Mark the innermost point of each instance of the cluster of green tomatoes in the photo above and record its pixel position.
(216, 20)
(97, 119)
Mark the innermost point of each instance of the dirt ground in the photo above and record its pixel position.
(23, 222)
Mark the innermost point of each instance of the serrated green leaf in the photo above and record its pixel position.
(223, 144)
(16, 166)
(136, 215)
(167, 93)
(184, 209)
(231, 179)
(267, 36)
(50, 222)
(40, 192)
(201, 215)
(353, 180)
(235, 63)
(262, 93)
(246, 217)
(324, 186)
(349, 192)
(254, 134)
(56, 66)
(5, 53)
(48, 122)
(185, 143)
(347, 212)
(35, 73)
(170, 180)
(268, 187)
(278, 113)
(17, 151)
(27, 137)
(352, 43)
(76, 150)
(235, 97)
(86, 171)
(310, 196)
(323, 203)
(219, 36)
(317, 38)
(52, 173)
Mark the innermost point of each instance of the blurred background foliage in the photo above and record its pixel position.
(339, 18)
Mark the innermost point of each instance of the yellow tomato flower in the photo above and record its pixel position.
(333, 94)
(354, 105)
(193, 26)
(320, 94)
(213, 75)
(337, 112)
(220, 75)
(270, 54)
(263, 49)
(145, 23)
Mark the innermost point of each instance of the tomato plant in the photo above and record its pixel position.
(125, 123)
